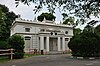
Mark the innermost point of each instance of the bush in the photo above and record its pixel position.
(85, 45)
(17, 43)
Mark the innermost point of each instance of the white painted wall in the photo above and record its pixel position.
(20, 28)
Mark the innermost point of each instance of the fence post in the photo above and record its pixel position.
(11, 54)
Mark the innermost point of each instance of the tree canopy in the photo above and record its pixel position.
(97, 29)
(69, 20)
(88, 28)
(48, 16)
(6, 19)
(79, 8)
(86, 44)
(77, 31)
(86, 39)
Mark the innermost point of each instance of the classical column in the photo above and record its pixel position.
(41, 42)
(63, 43)
(59, 46)
(47, 44)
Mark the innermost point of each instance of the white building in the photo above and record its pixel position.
(46, 35)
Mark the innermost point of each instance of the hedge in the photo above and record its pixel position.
(85, 45)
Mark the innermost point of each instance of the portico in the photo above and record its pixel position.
(52, 43)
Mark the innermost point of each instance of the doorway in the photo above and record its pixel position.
(53, 44)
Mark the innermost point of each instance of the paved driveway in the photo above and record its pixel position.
(52, 60)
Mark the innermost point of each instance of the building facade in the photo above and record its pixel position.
(46, 36)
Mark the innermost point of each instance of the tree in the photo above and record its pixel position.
(4, 45)
(97, 29)
(87, 39)
(48, 16)
(6, 19)
(69, 20)
(86, 44)
(64, 15)
(17, 42)
(80, 8)
(90, 26)
(77, 31)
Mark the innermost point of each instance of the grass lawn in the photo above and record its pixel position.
(4, 59)
(30, 55)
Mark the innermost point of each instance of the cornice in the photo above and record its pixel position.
(40, 23)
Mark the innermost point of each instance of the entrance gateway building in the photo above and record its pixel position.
(46, 36)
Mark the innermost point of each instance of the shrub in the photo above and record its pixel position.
(17, 43)
(86, 44)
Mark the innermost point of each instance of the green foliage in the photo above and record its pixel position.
(4, 45)
(97, 30)
(4, 8)
(6, 19)
(86, 44)
(4, 59)
(48, 16)
(76, 31)
(64, 15)
(70, 19)
(17, 43)
(88, 28)
(79, 8)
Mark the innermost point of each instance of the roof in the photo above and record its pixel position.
(19, 20)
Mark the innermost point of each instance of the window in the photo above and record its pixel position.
(66, 39)
(55, 33)
(42, 30)
(51, 33)
(27, 29)
(66, 32)
(27, 38)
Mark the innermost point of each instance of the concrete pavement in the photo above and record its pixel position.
(52, 60)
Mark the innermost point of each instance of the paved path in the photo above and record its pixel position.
(52, 60)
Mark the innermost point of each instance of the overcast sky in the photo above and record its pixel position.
(26, 11)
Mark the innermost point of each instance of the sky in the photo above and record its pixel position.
(26, 11)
